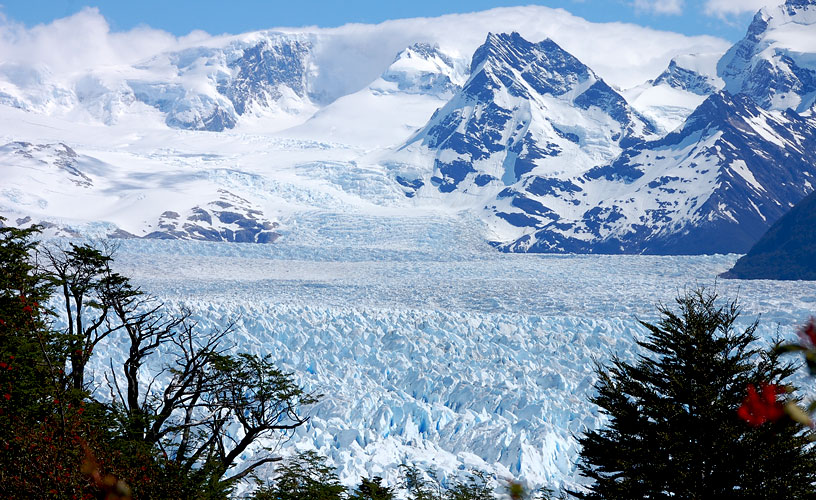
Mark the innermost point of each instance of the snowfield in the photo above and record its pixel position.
(430, 347)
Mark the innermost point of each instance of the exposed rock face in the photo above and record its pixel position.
(231, 218)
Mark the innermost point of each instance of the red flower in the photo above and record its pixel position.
(3, 365)
(807, 334)
(7, 396)
(758, 408)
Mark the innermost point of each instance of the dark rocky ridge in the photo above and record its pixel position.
(787, 251)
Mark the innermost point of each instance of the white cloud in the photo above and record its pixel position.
(623, 54)
(351, 56)
(724, 8)
(81, 42)
(667, 7)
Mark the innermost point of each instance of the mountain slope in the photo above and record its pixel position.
(775, 64)
(787, 251)
(526, 107)
(712, 186)
(53, 185)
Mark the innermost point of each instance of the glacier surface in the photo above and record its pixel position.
(430, 347)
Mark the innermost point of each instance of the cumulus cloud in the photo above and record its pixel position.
(81, 42)
(724, 8)
(352, 56)
(623, 54)
(666, 7)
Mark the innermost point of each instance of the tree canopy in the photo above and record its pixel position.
(674, 430)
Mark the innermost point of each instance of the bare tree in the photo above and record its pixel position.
(81, 273)
(189, 402)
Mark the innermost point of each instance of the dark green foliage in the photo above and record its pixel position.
(58, 442)
(29, 353)
(787, 251)
(674, 431)
(476, 487)
(417, 486)
(304, 477)
(372, 489)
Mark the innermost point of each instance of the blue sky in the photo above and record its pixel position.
(724, 18)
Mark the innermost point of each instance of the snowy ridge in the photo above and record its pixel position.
(775, 63)
(543, 147)
(525, 108)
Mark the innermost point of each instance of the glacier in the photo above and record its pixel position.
(381, 292)
(429, 347)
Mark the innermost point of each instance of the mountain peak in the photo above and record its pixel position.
(423, 68)
(773, 64)
(544, 66)
(502, 46)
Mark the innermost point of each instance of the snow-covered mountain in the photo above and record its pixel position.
(709, 187)
(671, 97)
(205, 88)
(775, 64)
(525, 108)
(534, 130)
(552, 180)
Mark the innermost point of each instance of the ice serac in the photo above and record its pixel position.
(775, 64)
(526, 108)
(213, 87)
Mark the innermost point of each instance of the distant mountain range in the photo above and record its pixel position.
(703, 158)
(567, 165)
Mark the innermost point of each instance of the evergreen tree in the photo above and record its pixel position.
(303, 477)
(476, 487)
(674, 429)
(372, 489)
(417, 487)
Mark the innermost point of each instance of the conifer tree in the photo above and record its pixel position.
(674, 430)
(372, 489)
(303, 477)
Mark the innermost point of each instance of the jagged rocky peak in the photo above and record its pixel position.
(527, 109)
(528, 69)
(263, 72)
(774, 63)
(544, 66)
(424, 68)
(695, 73)
(215, 86)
